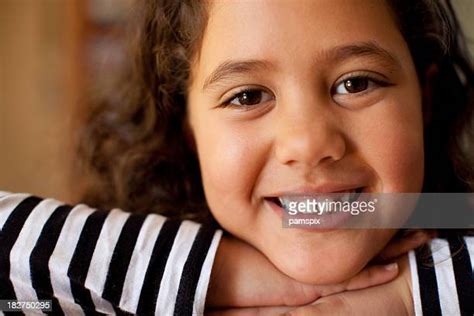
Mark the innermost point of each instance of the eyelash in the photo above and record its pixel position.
(227, 102)
(354, 76)
(359, 76)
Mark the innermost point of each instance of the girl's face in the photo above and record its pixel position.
(304, 96)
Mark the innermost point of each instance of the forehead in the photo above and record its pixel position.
(284, 31)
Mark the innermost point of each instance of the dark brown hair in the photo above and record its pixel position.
(134, 140)
(434, 36)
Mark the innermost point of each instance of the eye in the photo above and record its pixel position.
(360, 89)
(354, 85)
(248, 98)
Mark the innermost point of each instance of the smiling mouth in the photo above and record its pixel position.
(342, 196)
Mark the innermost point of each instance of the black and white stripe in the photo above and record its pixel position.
(94, 261)
(61, 257)
(81, 260)
(191, 272)
(461, 263)
(120, 260)
(40, 276)
(442, 277)
(134, 279)
(16, 213)
(156, 267)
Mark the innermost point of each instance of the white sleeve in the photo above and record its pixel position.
(442, 277)
(88, 260)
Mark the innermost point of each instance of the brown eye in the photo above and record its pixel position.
(250, 97)
(356, 85)
(353, 85)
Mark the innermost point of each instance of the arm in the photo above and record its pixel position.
(91, 260)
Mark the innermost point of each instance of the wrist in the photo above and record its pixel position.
(214, 297)
(406, 285)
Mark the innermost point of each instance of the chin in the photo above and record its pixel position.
(320, 271)
(324, 261)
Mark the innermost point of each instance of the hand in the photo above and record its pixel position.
(243, 277)
(393, 298)
(401, 245)
(263, 285)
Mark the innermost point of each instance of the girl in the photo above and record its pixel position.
(231, 105)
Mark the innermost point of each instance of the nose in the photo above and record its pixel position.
(308, 139)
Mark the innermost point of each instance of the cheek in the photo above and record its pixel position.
(230, 164)
(392, 144)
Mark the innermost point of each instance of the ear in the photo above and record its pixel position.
(427, 92)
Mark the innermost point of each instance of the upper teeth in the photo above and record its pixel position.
(321, 197)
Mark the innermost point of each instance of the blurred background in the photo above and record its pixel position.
(51, 51)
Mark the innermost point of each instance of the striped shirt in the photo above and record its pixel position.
(443, 277)
(92, 261)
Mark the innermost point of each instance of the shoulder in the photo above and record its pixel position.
(442, 276)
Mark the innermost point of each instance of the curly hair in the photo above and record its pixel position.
(434, 37)
(135, 141)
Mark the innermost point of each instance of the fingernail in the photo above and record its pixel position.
(391, 266)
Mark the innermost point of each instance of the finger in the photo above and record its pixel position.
(400, 246)
(369, 276)
(373, 275)
(251, 311)
(333, 306)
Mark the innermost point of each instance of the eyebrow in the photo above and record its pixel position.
(370, 48)
(230, 68)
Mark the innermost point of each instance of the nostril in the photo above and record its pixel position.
(309, 147)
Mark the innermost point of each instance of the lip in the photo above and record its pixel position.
(313, 190)
(333, 221)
